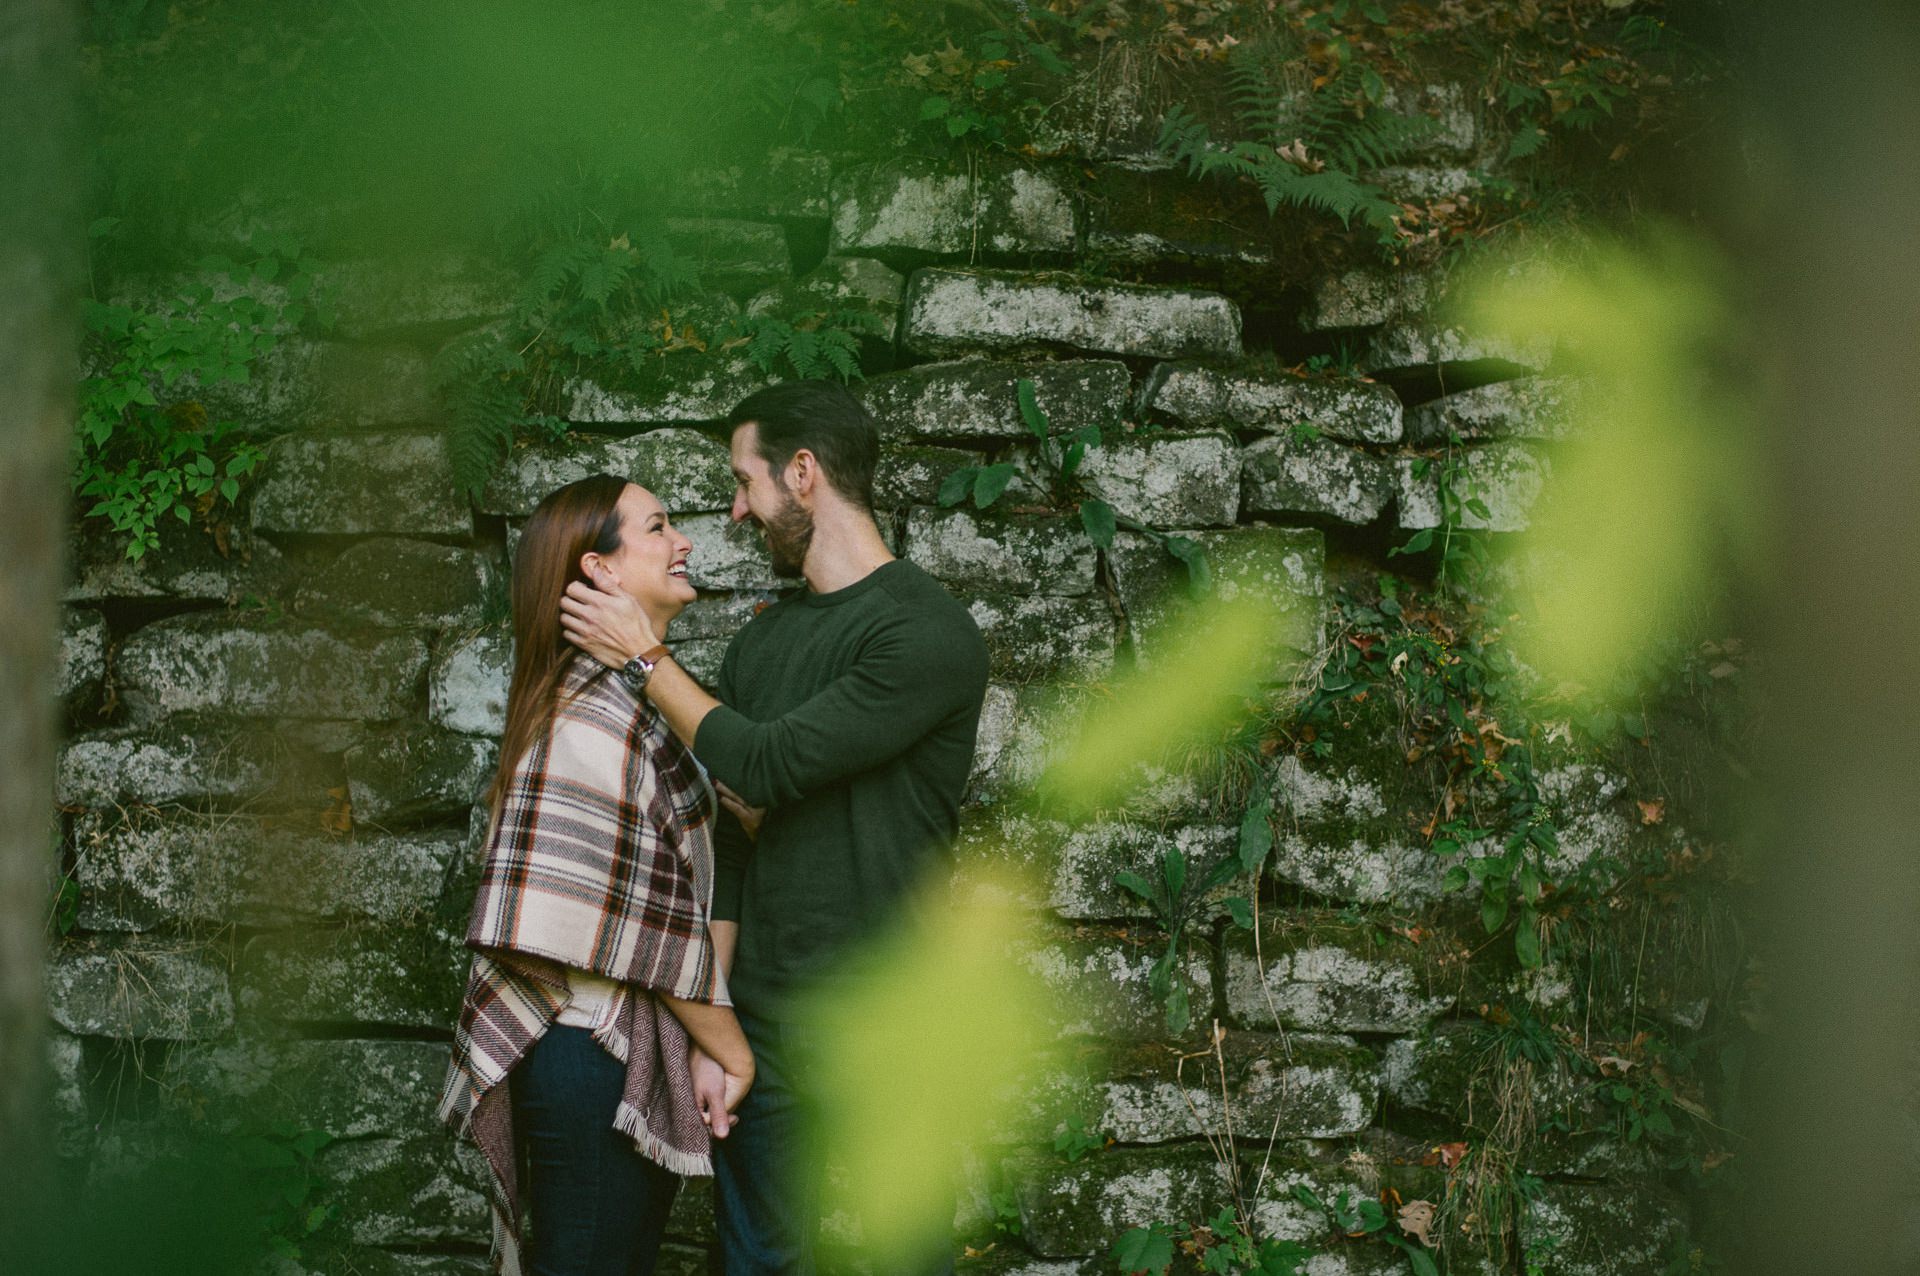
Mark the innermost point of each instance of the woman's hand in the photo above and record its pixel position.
(749, 816)
(604, 622)
(716, 1091)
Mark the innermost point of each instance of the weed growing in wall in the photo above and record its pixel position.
(149, 449)
(1059, 459)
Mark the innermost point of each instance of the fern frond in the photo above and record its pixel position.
(1330, 191)
(803, 351)
(770, 339)
(1186, 140)
(841, 352)
(556, 266)
(482, 423)
(1382, 138)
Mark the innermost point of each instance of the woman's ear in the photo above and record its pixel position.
(598, 574)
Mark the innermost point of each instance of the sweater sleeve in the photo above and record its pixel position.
(909, 677)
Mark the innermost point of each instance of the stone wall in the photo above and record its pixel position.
(269, 789)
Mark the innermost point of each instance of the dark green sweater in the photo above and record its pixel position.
(851, 716)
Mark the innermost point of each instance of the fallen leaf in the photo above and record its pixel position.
(1450, 1154)
(1416, 1220)
(338, 817)
(1653, 812)
(1692, 1108)
(1612, 1065)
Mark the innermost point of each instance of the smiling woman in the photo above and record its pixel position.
(596, 1032)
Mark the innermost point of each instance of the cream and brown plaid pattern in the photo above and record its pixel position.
(601, 859)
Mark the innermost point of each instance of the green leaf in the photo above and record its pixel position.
(1528, 881)
(1173, 866)
(1372, 1215)
(957, 125)
(1421, 1261)
(1241, 912)
(1526, 940)
(990, 482)
(955, 486)
(1493, 911)
(1179, 1013)
(1256, 836)
(1144, 1249)
(1280, 1258)
(1454, 879)
(1199, 571)
(1096, 517)
(1138, 885)
(1030, 409)
(1417, 544)
(1305, 1195)
(933, 108)
(1160, 974)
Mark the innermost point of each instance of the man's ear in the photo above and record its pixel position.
(803, 474)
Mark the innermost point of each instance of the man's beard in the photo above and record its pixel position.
(788, 533)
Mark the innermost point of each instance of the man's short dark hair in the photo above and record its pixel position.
(822, 418)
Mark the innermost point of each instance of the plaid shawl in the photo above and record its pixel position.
(600, 858)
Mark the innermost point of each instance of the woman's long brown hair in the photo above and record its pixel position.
(572, 520)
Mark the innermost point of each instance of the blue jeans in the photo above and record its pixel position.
(767, 1170)
(597, 1207)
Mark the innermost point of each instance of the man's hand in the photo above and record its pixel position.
(713, 1092)
(749, 816)
(605, 623)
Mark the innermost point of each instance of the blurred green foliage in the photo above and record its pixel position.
(922, 1042)
(1656, 490)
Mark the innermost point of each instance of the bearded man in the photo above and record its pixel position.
(847, 711)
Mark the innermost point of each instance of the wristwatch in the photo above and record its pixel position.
(636, 671)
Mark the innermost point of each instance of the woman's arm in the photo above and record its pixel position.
(716, 1031)
(713, 1086)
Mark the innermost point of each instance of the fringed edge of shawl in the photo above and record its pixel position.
(504, 1253)
(631, 1122)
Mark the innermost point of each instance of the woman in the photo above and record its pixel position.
(593, 976)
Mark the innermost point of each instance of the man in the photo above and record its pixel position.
(848, 711)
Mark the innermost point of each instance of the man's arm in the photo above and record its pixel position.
(907, 679)
(612, 629)
(910, 679)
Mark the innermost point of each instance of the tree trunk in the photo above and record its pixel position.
(1835, 96)
(39, 239)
